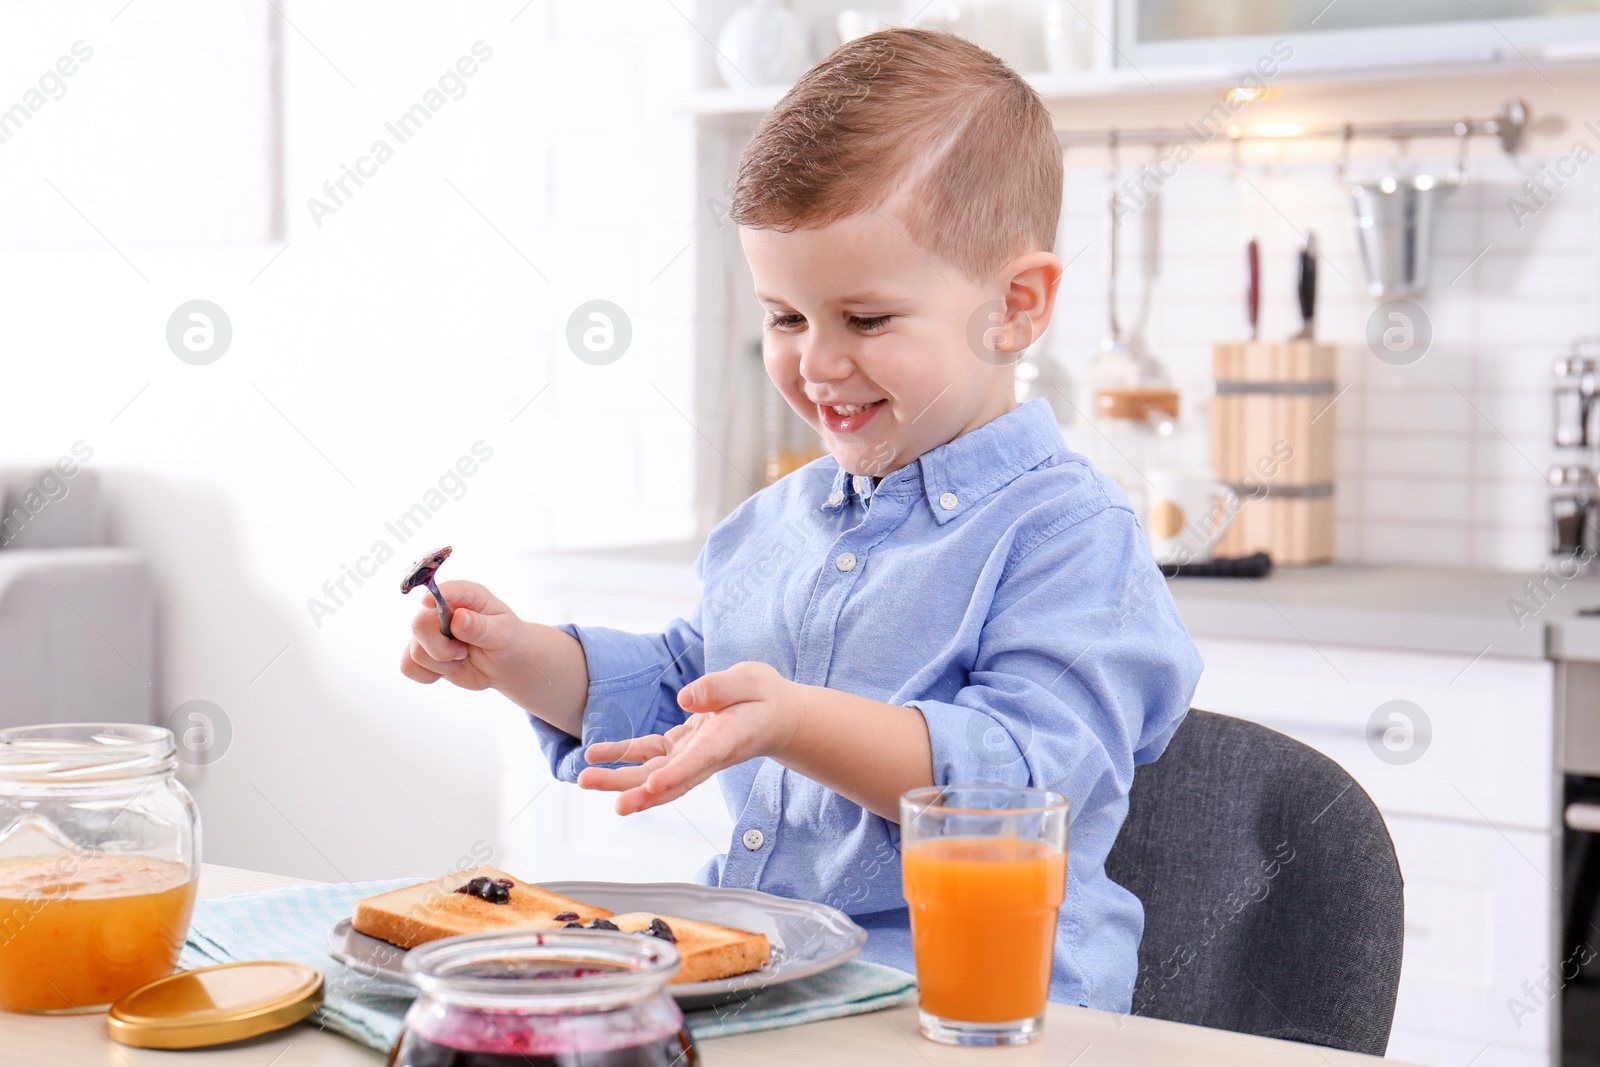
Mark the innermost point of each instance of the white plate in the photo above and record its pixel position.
(805, 938)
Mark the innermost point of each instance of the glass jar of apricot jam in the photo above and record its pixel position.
(99, 862)
(555, 999)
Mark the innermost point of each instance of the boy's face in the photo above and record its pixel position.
(866, 337)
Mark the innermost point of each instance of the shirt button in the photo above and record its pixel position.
(948, 501)
(846, 561)
(753, 839)
(836, 498)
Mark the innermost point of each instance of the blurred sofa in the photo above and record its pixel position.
(77, 615)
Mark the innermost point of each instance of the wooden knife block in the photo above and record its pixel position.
(1272, 439)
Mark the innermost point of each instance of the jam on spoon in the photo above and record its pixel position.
(421, 573)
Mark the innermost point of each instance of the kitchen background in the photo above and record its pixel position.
(383, 331)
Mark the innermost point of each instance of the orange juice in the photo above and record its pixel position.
(77, 932)
(983, 924)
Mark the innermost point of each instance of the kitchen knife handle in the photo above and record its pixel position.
(1252, 293)
(1308, 278)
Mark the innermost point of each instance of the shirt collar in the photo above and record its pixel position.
(846, 486)
(958, 474)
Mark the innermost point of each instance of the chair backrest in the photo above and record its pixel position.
(42, 508)
(1273, 901)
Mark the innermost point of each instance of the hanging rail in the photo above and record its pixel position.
(1508, 127)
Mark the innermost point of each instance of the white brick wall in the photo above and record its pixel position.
(1440, 462)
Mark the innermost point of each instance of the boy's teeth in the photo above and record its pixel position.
(850, 409)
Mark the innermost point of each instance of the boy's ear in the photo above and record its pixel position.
(1031, 282)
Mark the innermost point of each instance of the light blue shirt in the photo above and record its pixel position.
(998, 584)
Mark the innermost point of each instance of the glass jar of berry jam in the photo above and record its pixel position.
(99, 863)
(564, 998)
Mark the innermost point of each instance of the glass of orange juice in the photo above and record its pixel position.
(984, 870)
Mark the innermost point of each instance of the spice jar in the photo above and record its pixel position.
(544, 999)
(1575, 407)
(1572, 513)
(99, 862)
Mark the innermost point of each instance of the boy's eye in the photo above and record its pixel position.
(869, 324)
(776, 321)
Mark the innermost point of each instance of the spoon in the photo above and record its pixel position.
(421, 573)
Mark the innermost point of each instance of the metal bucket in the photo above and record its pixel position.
(1394, 229)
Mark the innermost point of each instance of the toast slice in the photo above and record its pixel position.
(425, 912)
(709, 951)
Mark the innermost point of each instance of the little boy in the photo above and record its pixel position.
(950, 597)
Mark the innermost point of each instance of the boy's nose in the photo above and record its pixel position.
(824, 361)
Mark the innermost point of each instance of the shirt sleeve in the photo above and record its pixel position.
(634, 681)
(1083, 670)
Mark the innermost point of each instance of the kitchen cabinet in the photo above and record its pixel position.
(1351, 34)
(1474, 819)
(1491, 754)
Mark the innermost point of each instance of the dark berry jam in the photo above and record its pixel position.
(495, 891)
(545, 999)
(676, 1050)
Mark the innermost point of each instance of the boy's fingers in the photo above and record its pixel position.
(477, 617)
(469, 595)
(617, 779)
(425, 632)
(410, 668)
(646, 797)
(633, 750)
(723, 689)
(612, 779)
(711, 692)
(690, 764)
(682, 773)
(419, 656)
(487, 632)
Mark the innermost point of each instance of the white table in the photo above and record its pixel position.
(1074, 1036)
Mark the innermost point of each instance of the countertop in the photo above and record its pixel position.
(1419, 609)
(1522, 615)
(885, 1037)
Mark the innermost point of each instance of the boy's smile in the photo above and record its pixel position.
(866, 335)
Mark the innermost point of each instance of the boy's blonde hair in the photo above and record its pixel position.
(960, 141)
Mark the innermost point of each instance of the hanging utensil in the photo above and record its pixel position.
(1149, 269)
(1394, 229)
(1122, 385)
(1160, 414)
(1114, 338)
(1129, 397)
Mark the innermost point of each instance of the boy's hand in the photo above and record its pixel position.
(746, 711)
(483, 651)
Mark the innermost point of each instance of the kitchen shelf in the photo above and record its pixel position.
(753, 102)
(757, 100)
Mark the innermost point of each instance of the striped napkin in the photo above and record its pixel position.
(292, 923)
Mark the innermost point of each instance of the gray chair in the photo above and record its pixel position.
(1273, 901)
(77, 615)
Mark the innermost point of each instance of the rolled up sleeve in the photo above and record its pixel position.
(1083, 669)
(634, 681)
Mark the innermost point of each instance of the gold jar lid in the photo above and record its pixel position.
(215, 1005)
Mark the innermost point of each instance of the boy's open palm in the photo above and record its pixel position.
(746, 711)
